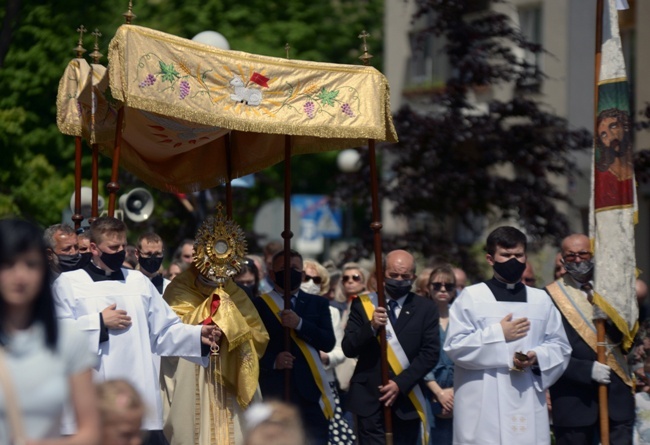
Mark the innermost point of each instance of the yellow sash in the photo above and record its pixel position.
(313, 360)
(394, 352)
(578, 311)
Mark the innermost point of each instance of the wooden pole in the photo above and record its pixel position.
(228, 142)
(114, 186)
(603, 411)
(381, 297)
(94, 212)
(77, 217)
(287, 235)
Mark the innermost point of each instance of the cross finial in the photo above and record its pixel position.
(80, 50)
(366, 56)
(96, 55)
(287, 47)
(129, 15)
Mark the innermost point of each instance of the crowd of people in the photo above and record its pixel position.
(100, 344)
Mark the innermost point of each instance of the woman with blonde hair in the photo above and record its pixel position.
(121, 410)
(316, 281)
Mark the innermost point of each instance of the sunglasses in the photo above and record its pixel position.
(438, 286)
(316, 279)
(355, 277)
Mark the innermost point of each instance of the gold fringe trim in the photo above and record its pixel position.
(558, 290)
(614, 80)
(619, 322)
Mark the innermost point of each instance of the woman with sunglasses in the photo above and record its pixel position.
(353, 280)
(316, 281)
(442, 290)
(44, 364)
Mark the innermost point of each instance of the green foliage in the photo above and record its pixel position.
(37, 166)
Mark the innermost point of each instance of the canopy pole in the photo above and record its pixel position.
(229, 174)
(114, 186)
(94, 212)
(77, 217)
(287, 235)
(379, 276)
(379, 272)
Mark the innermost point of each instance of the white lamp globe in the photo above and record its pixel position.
(349, 161)
(212, 38)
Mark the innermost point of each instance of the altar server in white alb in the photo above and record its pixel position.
(508, 344)
(125, 320)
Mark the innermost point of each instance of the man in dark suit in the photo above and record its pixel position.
(414, 320)
(574, 397)
(311, 325)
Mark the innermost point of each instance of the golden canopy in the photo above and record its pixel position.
(181, 98)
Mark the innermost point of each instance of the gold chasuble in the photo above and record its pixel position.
(204, 405)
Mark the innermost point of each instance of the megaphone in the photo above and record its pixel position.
(86, 202)
(137, 204)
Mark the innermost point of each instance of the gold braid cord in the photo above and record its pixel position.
(219, 248)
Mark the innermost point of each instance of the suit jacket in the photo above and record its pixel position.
(316, 330)
(574, 397)
(417, 332)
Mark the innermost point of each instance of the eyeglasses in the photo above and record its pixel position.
(572, 256)
(402, 276)
(438, 286)
(354, 277)
(316, 279)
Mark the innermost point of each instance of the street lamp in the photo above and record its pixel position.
(212, 38)
(349, 161)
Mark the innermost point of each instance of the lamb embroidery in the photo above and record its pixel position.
(244, 93)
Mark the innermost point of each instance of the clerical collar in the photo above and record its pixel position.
(512, 292)
(99, 274)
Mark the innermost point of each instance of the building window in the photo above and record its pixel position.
(530, 24)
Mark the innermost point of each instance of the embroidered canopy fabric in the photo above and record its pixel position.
(183, 97)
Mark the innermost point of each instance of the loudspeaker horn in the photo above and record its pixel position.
(86, 202)
(137, 204)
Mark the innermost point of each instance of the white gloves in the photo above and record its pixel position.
(600, 373)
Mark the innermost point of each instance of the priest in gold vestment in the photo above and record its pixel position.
(204, 406)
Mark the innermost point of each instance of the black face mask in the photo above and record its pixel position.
(67, 263)
(581, 272)
(151, 264)
(250, 290)
(113, 260)
(296, 279)
(511, 270)
(397, 288)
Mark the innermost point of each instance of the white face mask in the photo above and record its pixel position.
(310, 287)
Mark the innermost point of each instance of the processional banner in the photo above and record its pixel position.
(613, 205)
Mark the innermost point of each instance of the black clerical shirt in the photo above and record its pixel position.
(515, 293)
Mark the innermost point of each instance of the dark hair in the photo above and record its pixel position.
(292, 254)
(17, 237)
(150, 237)
(248, 265)
(506, 237)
